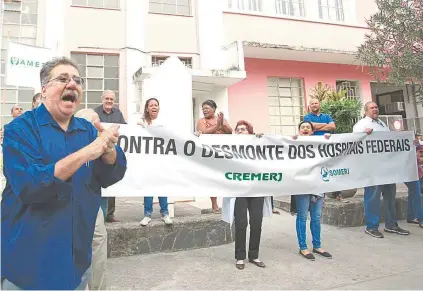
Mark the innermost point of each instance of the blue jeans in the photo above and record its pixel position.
(372, 205)
(304, 203)
(148, 206)
(415, 208)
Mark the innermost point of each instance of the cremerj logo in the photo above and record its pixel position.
(253, 176)
(327, 173)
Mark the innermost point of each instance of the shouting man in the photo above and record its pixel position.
(55, 166)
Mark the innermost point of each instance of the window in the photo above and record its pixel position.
(109, 4)
(177, 7)
(245, 5)
(290, 7)
(331, 10)
(286, 104)
(19, 24)
(351, 88)
(158, 60)
(100, 72)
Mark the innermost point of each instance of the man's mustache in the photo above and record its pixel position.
(70, 96)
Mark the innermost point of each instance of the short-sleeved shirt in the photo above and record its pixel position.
(319, 118)
(115, 115)
(367, 122)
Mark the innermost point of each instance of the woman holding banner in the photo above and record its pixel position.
(302, 204)
(237, 208)
(212, 124)
(150, 119)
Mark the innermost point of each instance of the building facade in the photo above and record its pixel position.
(258, 59)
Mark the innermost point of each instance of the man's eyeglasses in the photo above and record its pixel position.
(66, 80)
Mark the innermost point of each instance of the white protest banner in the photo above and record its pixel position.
(24, 63)
(162, 162)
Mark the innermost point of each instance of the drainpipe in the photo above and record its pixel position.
(416, 112)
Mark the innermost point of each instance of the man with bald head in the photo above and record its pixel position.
(369, 124)
(322, 123)
(16, 111)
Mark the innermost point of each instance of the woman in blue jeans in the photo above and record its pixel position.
(302, 204)
(150, 119)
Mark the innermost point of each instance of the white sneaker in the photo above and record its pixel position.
(145, 221)
(167, 219)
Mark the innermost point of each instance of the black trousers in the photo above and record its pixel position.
(111, 206)
(254, 205)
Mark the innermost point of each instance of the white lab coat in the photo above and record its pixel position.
(228, 208)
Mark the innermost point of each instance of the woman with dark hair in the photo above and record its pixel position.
(212, 123)
(150, 119)
(237, 208)
(302, 204)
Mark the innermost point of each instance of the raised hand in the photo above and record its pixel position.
(369, 131)
(220, 119)
(198, 133)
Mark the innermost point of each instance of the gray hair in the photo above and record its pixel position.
(88, 114)
(108, 91)
(366, 106)
(50, 65)
(13, 107)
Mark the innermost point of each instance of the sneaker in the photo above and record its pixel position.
(167, 220)
(145, 221)
(398, 230)
(374, 233)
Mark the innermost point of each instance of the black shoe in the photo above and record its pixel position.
(309, 256)
(240, 266)
(323, 254)
(398, 230)
(258, 264)
(374, 233)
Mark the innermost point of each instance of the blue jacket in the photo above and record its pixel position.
(47, 224)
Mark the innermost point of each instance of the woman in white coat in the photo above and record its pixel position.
(257, 207)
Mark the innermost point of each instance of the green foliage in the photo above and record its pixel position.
(345, 112)
(393, 49)
(320, 91)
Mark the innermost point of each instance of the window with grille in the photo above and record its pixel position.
(18, 24)
(246, 5)
(331, 10)
(286, 104)
(177, 7)
(290, 7)
(352, 89)
(110, 4)
(156, 61)
(101, 72)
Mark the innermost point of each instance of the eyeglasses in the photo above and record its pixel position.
(66, 80)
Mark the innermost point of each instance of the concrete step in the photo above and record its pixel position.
(348, 214)
(190, 230)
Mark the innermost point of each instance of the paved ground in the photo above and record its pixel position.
(360, 262)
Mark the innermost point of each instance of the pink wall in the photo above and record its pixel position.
(248, 99)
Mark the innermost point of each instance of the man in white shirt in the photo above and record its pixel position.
(368, 124)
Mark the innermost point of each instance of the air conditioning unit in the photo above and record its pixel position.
(394, 107)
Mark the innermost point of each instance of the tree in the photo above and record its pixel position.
(393, 49)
